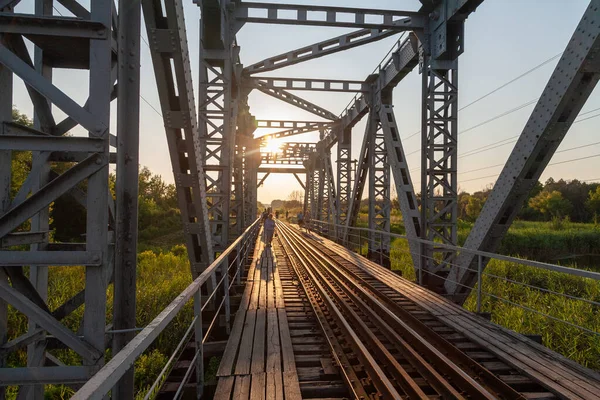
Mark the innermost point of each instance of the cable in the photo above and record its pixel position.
(556, 163)
(59, 13)
(151, 106)
(499, 87)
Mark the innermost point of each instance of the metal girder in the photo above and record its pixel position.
(263, 179)
(328, 16)
(380, 203)
(344, 175)
(47, 322)
(252, 159)
(50, 143)
(439, 169)
(170, 58)
(74, 7)
(400, 64)
(25, 24)
(217, 118)
(46, 375)
(284, 124)
(48, 90)
(330, 199)
(404, 187)
(279, 170)
(236, 212)
(312, 127)
(299, 181)
(360, 180)
(50, 192)
(322, 85)
(570, 85)
(297, 101)
(21, 238)
(50, 258)
(316, 50)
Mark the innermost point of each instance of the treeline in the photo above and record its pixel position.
(576, 200)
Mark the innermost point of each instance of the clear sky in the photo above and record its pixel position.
(503, 39)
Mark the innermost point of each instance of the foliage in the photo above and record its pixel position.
(296, 195)
(473, 208)
(593, 202)
(551, 204)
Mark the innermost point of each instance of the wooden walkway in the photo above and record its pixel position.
(258, 362)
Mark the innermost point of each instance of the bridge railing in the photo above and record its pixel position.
(553, 293)
(219, 277)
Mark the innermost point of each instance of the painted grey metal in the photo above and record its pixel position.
(570, 85)
(400, 170)
(127, 183)
(380, 203)
(300, 181)
(322, 85)
(304, 15)
(344, 175)
(360, 180)
(311, 127)
(99, 385)
(24, 24)
(50, 143)
(285, 124)
(18, 258)
(296, 101)
(168, 47)
(46, 375)
(22, 238)
(217, 116)
(316, 50)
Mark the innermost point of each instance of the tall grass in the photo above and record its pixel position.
(160, 278)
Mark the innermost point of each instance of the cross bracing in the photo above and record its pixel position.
(214, 146)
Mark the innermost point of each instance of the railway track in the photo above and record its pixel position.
(385, 345)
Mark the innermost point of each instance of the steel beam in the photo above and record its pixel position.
(300, 181)
(297, 101)
(344, 175)
(316, 50)
(362, 171)
(26, 25)
(172, 70)
(392, 71)
(277, 170)
(285, 124)
(400, 170)
(312, 127)
(570, 85)
(380, 203)
(263, 179)
(127, 183)
(50, 258)
(46, 375)
(321, 85)
(328, 16)
(50, 143)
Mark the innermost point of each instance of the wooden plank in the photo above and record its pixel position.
(289, 364)
(270, 287)
(226, 365)
(256, 287)
(264, 271)
(258, 351)
(242, 388)
(242, 366)
(274, 385)
(224, 388)
(258, 389)
(291, 386)
(273, 347)
(279, 301)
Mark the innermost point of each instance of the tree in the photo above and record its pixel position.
(593, 202)
(296, 195)
(551, 204)
(474, 207)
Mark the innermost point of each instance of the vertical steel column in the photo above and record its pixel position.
(6, 99)
(236, 222)
(252, 157)
(439, 205)
(128, 129)
(332, 200)
(216, 117)
(379, 193)
(94, 318)
(38, 275)
(316, 189)
(344, 174)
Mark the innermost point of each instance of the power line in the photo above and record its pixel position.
(500, 87)
(556, 163)
(151, 106)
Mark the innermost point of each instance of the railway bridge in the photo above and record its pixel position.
(319, 313)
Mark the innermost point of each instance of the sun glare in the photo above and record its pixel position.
(271, 146)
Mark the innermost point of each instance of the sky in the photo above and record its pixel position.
(503, 39)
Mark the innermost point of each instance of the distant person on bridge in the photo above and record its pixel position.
(300, 218)
(269, 227)
(287, 213)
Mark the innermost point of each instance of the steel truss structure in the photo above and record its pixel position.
(217, 158)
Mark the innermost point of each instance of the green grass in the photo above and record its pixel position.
(161, 277)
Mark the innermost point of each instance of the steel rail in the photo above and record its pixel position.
(438, 350)
(399, 373)
(380, 380)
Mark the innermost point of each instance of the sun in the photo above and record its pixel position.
(271, 146)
